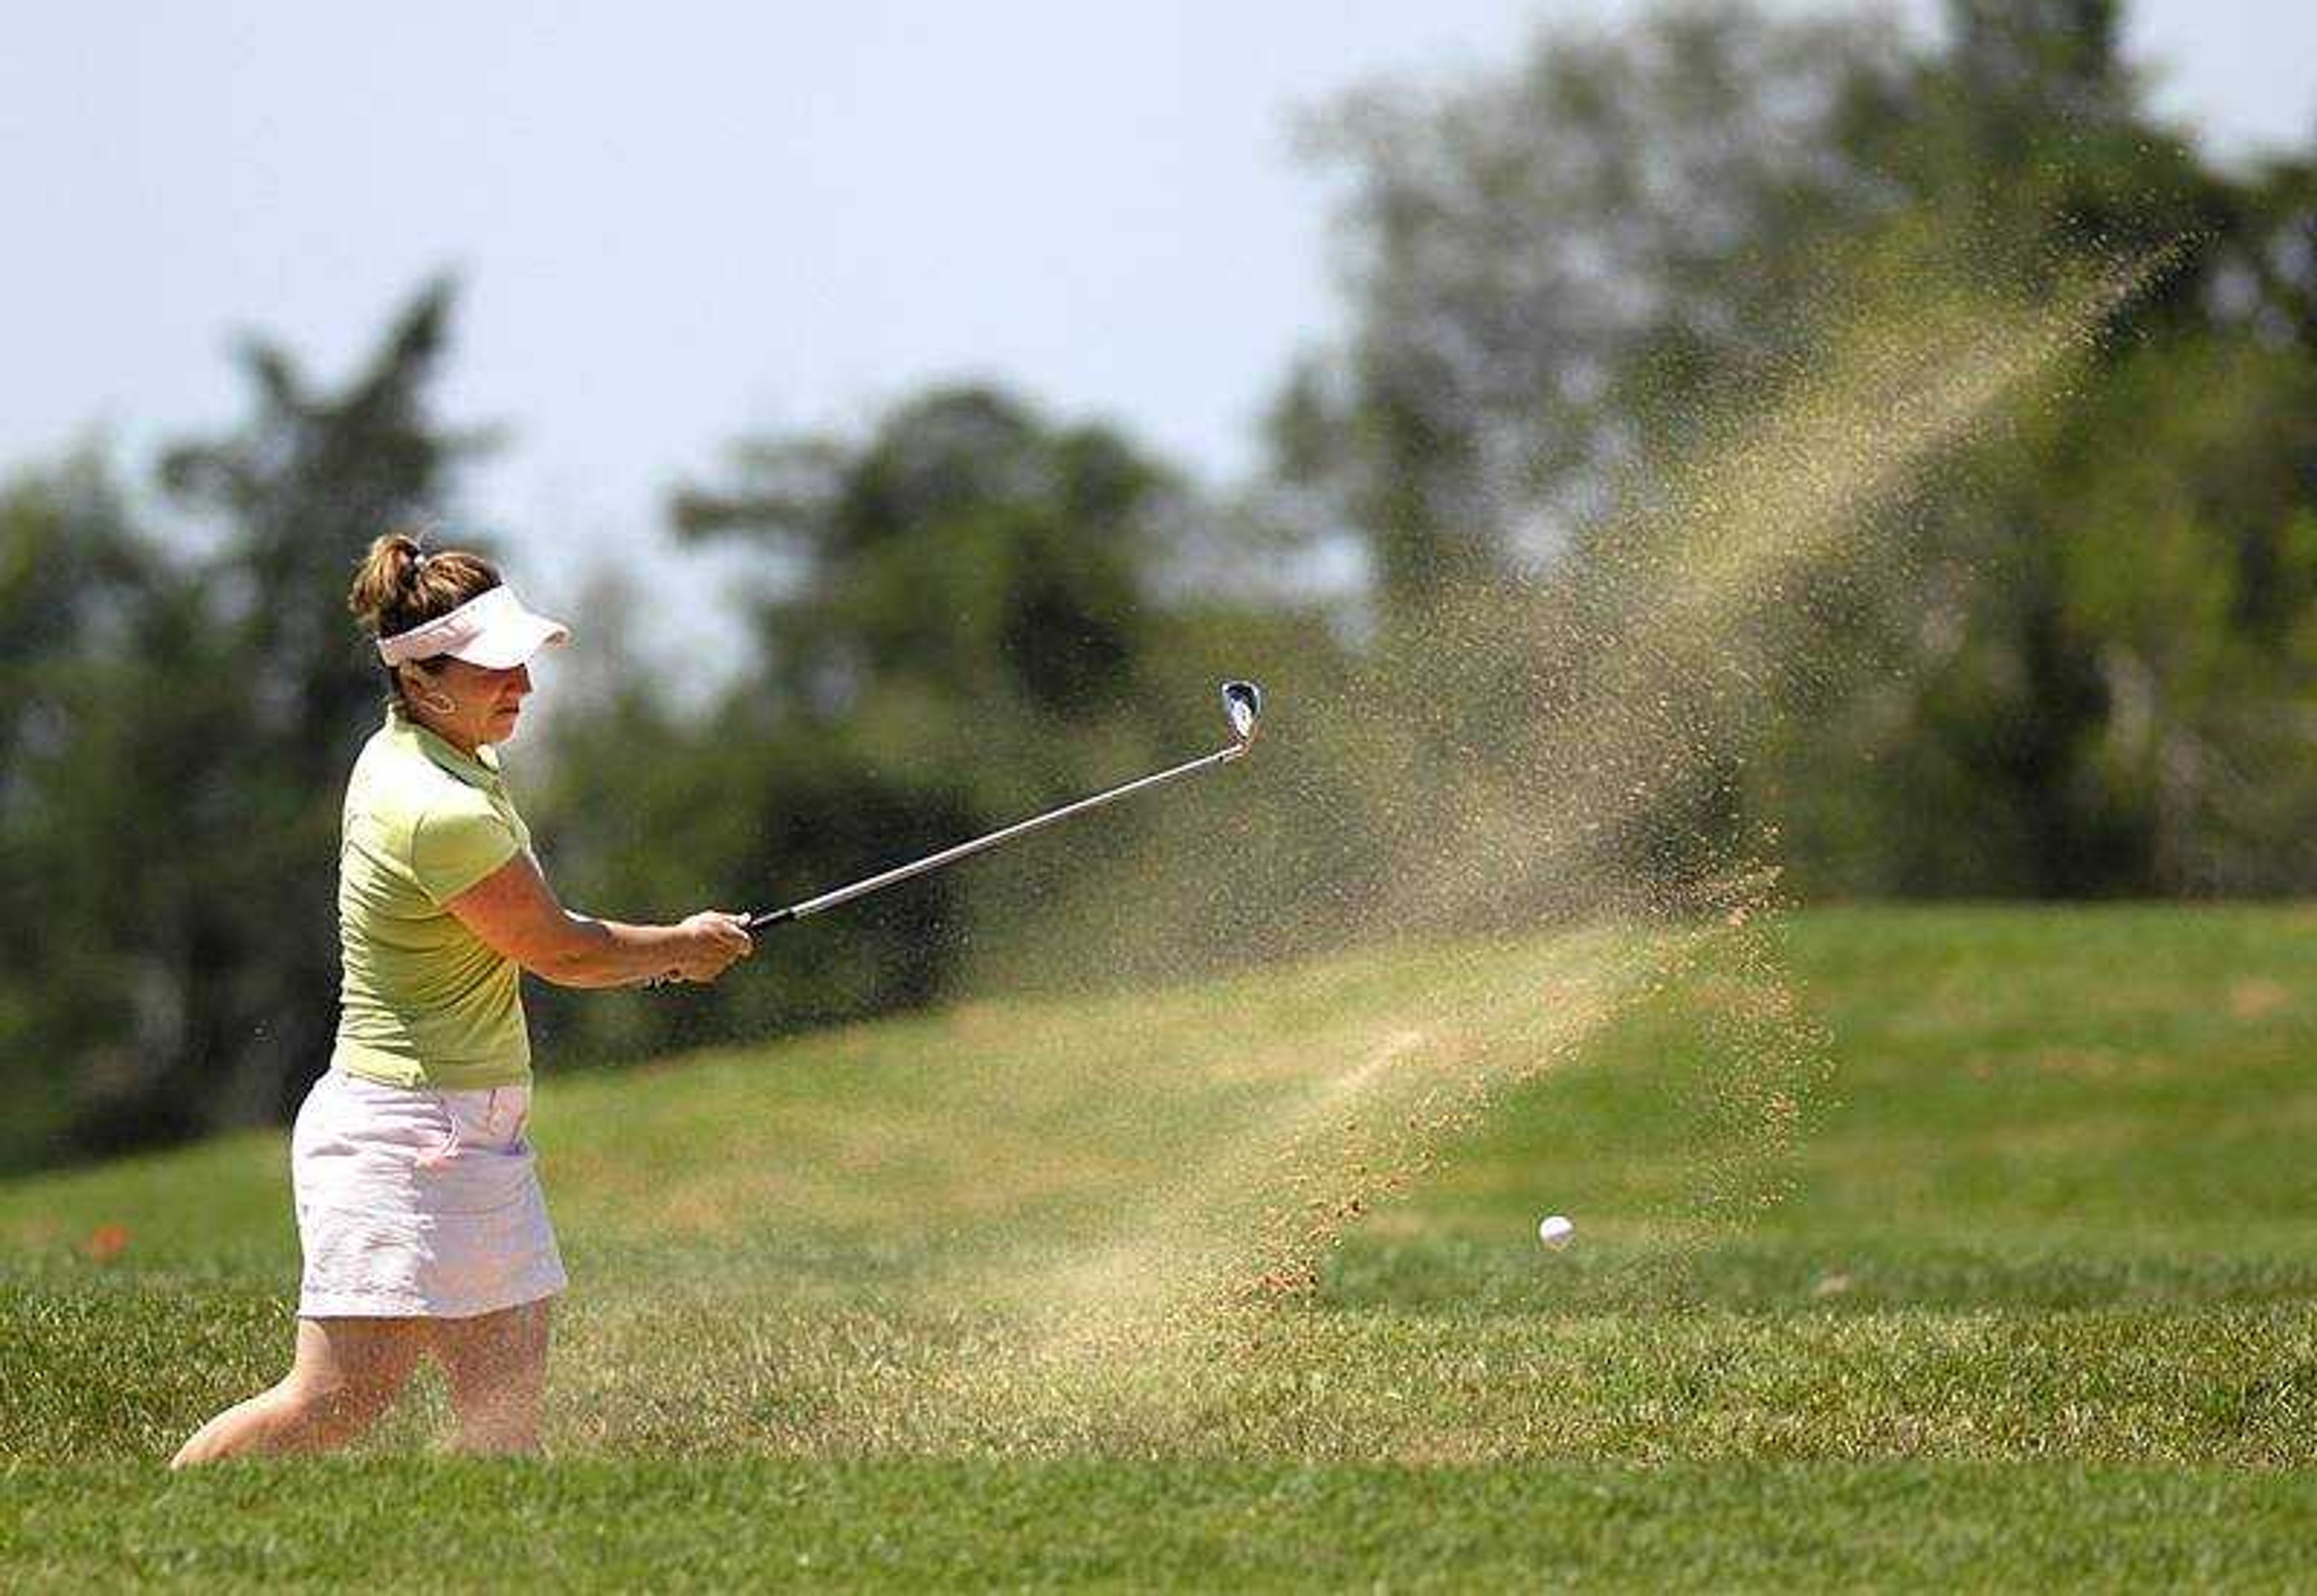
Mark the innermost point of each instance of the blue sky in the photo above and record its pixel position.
(737, 217)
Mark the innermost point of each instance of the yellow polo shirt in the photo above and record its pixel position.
(423, 1001)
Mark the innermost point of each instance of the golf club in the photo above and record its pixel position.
(1243, 704)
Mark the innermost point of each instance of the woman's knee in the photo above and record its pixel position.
(336, 1408)
(347, 1374)
(506, 1350)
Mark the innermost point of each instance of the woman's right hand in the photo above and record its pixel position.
(708, 943)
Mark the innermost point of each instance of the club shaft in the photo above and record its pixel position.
(950, 856)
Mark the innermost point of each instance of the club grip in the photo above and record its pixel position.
(752, 924)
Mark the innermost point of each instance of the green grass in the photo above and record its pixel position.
(592, 1523)
(955, 1299)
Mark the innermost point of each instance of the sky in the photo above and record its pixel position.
(739, 218)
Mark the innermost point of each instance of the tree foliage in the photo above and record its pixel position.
(957, 627)
(1561, 270)
(177, 756)
(2089, 669)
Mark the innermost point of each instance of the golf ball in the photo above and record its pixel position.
(1554, 1230)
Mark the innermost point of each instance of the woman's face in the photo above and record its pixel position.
(483, 705)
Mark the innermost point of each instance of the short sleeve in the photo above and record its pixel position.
(457, 842)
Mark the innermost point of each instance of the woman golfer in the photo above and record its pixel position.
(419, 1208)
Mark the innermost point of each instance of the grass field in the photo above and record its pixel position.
(1007, 1293)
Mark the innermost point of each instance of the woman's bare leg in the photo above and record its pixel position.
(497, 1366)
(348, 1372)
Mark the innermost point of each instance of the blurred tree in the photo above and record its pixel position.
(2186, 568)
(1562, 275)
(2114, 692)
(255, 693)
(955, 627)
(1553, 267)
(1566, 279)
(1043, 540)
(86, 603)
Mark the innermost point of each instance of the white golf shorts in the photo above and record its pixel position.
(418, 1204)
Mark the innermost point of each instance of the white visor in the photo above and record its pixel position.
(492, 629)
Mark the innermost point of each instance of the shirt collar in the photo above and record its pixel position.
(481, 770)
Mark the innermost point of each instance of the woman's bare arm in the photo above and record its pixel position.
(516, 912)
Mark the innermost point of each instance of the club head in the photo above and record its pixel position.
(1243, 703)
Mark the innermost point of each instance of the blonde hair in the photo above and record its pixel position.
(401, 584)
